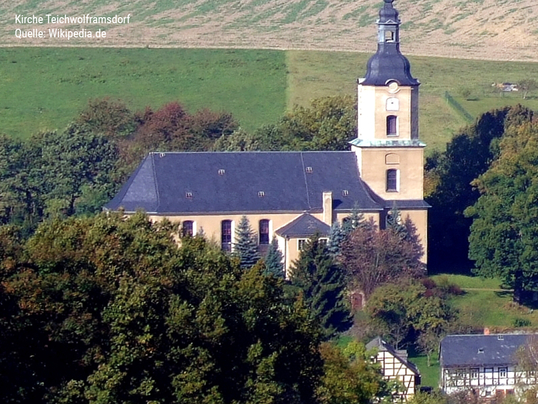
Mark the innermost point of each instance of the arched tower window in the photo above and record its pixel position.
(393, 180)
(226, 235)
(264, 231)
(392, 125)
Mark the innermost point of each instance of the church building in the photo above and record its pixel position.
(292, 195)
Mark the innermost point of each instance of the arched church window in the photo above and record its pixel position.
(392, 125)
(264, 231)
(226, 235)
(392, 180)
(187, 228)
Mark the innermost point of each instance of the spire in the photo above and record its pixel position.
(388, 64)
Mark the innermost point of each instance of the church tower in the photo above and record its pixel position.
(389, 152)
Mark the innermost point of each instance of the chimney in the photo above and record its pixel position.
(328, 208)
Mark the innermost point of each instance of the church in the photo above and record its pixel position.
(292, 195)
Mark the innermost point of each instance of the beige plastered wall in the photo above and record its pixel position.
(211, 225)
(372, 106)
(419, 218)
(374, 163)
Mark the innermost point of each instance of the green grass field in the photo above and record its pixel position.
(485, 304)
(429, 374)
(45, 88)
(314, 74)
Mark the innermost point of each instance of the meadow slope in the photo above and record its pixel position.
(473, 29)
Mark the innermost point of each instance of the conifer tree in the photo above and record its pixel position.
(354, 221)
(246, 246)
(336, 238)
(273, 260)
(339, 233)
(395, 223)
(323, 284)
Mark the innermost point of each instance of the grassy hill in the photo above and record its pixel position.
(45, 88)
(484, 29)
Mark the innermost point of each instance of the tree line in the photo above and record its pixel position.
(105, 309)
(482, 192)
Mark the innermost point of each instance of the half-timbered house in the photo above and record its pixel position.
(487, 365)
(395, 366)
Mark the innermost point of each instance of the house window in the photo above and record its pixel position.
(389, 36)
(474, 373)
(392, 125)
(502, 372)
(264, 231)
(392, 180)
(226, 235)
(187, 228)
(301, 243)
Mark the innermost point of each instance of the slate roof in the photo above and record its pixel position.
(244, 182)
(381, 345)
(480, 350)
(304, 226)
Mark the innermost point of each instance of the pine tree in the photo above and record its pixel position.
(246, 246)
(323, 284)
(273, 260)
(395, 223)
(336, 238)
(339, 233)
(354, 221)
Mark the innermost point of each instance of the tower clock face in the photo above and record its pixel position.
(393, 104)
(393, 87)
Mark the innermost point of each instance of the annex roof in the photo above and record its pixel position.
(480, 350)
(304, 226)
(212, 182)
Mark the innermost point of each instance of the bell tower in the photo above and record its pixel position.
(389, 152)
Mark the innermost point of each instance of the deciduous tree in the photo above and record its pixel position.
(350, 377)
(111, 310)
(374, 257)
(402, 310)
(503, 239)
(467, 156)
(527, 86)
